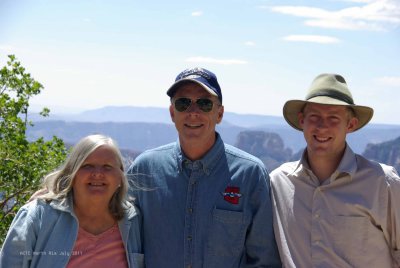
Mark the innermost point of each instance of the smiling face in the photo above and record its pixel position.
(98, 177)
(325, 128)
(196, 128)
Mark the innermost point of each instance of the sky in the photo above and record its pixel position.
(91, 53)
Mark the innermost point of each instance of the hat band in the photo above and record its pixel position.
(332, 94)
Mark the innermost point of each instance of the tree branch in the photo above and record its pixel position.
(3, 89)
(8, 198)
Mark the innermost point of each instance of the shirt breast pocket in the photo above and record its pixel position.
(227, 233)
(356, 238)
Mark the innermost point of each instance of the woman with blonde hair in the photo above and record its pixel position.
(83, 219)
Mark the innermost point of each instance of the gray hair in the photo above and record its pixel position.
(59, 183)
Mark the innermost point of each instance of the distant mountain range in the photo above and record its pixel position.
(124, 114)
(386, 152)
(141, 128)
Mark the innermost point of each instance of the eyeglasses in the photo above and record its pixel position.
(182, 104)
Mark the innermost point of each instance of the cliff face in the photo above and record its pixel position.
(386, 152)
(269, 147)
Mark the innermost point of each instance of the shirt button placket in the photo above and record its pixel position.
(189, 223)
(190, 218)
(316, 236)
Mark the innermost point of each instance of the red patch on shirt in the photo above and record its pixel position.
(232, 195)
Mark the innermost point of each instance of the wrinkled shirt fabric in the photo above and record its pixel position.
(213, 212)
(352, 219)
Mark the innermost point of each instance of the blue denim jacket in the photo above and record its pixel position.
(214, 212)
(43, 235)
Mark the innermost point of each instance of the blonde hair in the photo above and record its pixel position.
(59, 183)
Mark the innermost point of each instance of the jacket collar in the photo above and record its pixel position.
(67, 205)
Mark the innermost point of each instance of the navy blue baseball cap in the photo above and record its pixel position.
(203, 77)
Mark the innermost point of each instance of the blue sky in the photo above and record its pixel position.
(91, 53)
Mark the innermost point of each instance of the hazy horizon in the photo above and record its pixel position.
(96, 53)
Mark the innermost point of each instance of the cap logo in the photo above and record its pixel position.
(194, 73)
(232, 195)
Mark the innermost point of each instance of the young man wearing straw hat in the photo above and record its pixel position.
(334, 208)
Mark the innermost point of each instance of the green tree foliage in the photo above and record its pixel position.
(23, 163)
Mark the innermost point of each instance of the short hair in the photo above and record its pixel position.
(59, 183)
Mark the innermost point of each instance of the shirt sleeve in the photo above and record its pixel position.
(394, 217)
(261, 249)
(20, 241)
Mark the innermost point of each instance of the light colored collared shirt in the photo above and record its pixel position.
(213, 212)
(352, 219)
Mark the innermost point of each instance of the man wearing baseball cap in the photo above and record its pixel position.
(334, 208)
(204, 203)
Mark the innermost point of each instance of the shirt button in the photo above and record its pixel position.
(189, 238)
(317, 216)
(317, 242)
(190, 210)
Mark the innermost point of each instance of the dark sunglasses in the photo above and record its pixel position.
(182, 104)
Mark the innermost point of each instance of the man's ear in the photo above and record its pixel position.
(300, 118)
(172, 113)
(220, 114)
(352, 124)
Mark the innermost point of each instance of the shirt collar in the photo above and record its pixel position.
(66, 204)
(348, 164)
(302, 165)
(208, 161)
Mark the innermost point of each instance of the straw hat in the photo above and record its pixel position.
(328, 89)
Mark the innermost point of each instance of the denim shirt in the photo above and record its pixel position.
(213, 212)
(43, 235)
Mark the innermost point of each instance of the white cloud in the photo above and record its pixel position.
(391, 81)
(322, 39)
(374, 15)
(250, 43)
(215, 61)
(344, 25)
(302, 11)
(358, 1)
(197, 13)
